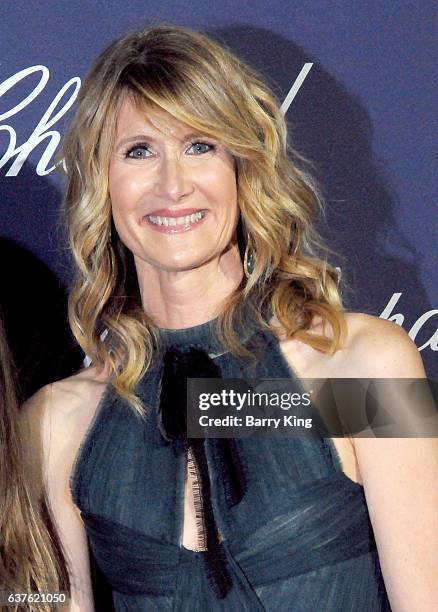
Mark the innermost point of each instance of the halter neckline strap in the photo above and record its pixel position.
(205, 335)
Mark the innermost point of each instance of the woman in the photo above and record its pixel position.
(177, 156)
(30, 555)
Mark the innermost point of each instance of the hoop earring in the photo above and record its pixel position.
(248, 261)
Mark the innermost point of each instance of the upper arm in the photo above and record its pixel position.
(400, 477)
(49, 458)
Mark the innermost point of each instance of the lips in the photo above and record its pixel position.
(181, 212)
(175, 224)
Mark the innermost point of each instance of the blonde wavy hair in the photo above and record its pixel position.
(204, 85)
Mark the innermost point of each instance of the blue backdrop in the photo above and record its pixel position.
(363, 114)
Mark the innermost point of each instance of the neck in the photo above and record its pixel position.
(184, 298)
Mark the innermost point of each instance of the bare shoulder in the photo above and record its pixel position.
(54, 421)
(66, 398)
(373, 347)
(376, 348)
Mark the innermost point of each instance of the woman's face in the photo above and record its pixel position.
(173, 193)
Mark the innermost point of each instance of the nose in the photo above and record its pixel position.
(173, 181)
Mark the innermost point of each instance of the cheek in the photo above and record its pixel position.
(223, 189)
(124, 190)
(115, 187)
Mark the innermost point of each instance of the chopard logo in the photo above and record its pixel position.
(398, 318)
(44, 129)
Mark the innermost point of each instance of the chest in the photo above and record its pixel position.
(168, 485)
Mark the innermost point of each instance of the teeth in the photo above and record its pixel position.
(176, 220)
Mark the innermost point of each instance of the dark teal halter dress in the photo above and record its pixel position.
(299, 540)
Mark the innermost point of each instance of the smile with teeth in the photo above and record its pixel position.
(194, 218)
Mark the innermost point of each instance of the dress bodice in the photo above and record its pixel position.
(299, 540)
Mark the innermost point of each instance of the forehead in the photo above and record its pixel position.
(131, 118)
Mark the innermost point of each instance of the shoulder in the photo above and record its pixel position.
(55, 419)
(373, 348)
(376, 348)
(65, 398)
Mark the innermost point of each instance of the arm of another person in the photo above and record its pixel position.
(400, 477)
(49, 423)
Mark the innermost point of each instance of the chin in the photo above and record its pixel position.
(184, 264)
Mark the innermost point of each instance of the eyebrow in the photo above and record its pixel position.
(148, 138)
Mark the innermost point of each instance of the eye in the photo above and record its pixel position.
(198, 147)
(138, 151)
